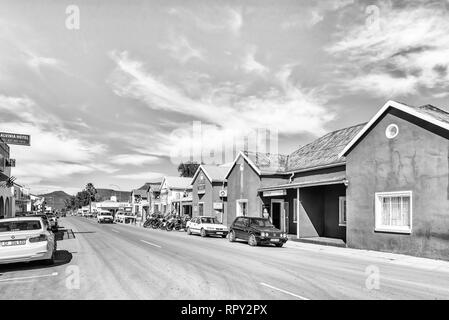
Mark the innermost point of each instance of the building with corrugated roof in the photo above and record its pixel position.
(397, 168)
(209, 191)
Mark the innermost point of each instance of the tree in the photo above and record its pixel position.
(188, 169)
(70, 203)
(91, 192)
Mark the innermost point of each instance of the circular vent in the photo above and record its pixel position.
(392, 131)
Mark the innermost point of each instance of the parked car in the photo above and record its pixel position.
(256, 231)
(53, 221)
(105, 217)
(44, 219)
(125, 217)
(206, 226)
(26, 239)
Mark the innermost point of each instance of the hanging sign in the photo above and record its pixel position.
(15, 138)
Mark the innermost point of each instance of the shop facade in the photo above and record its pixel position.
(210, 191)
(303, 193)
(175, 195)
(398, 182)
(7, 202)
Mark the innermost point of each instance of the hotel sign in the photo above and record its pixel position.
(275, 193)
(15, 138)
(218, 206)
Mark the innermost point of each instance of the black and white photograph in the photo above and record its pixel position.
(214, 153)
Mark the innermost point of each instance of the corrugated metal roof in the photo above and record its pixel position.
(216, 173)
(434, 112)
(267, 162)
(178, 182)
(323, 151)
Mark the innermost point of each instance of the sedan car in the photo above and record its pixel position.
(53, 221)
(206, 226)
(256, 231)
(26, 239)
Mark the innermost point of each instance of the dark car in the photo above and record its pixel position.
(44, 218)
(256, 231)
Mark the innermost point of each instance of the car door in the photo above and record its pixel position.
(238, 227)
(245, 229)
(194, 225)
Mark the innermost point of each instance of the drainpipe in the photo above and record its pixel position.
(291, 178)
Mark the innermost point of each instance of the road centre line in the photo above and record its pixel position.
(283, 291)
(31, 277)
(151, 244)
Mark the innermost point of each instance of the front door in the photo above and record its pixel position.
(278, 214)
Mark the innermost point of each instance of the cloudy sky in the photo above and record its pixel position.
(113, 101)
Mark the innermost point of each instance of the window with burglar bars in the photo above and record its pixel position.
(394, 212)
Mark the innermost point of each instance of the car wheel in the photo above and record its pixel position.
(189, 232)
(232, 236)
(279, 245)
(203, 233)
(252, 241)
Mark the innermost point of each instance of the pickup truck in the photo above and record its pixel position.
(105, 217)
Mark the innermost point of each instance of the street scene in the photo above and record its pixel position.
(117, 261)
(269, 150)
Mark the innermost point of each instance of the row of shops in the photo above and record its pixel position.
(381, 185)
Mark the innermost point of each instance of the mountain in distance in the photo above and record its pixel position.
(106, 194)
(56, 199)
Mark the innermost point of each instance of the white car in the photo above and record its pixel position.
(26, 239)
(105, 217)
(206, 226)
(125, 217)
(53, 221)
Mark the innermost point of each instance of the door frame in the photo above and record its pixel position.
(282, 213)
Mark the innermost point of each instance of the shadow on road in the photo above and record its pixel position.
(61, 257)
(83, 232)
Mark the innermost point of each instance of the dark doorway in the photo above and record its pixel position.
(276, 214)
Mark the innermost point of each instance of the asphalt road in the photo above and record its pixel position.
(114, 261)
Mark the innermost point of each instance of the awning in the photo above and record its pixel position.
(304, 184)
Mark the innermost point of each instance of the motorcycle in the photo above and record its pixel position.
(174, 223)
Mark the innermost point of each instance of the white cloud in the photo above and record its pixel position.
(37, 62)
(283, 107)
(269, 109)
(181, 49)
(212, 18)
(134, 159)
(251, 65)
(55, 153)
(405, 49)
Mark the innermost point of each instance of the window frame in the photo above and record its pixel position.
(341, 201)
(238, 202)
(378, 227)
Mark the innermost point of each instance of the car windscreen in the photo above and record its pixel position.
(9, 226)
(261, 223)
(209, 220)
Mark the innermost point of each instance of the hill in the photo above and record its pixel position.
(106, 194)
(56, 199)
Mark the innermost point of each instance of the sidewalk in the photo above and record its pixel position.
(372, 256)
